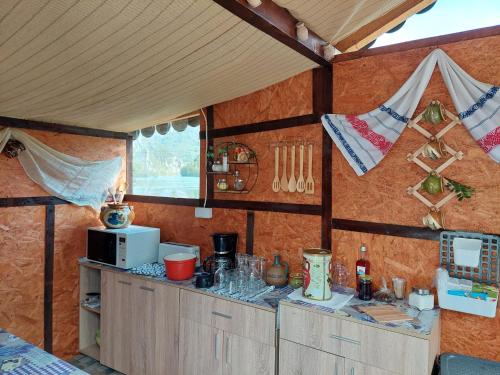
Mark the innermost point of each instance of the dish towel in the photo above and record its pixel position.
(365, 139)
(337, 301)
(82, 182)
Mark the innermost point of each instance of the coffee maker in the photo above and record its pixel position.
(225, 245)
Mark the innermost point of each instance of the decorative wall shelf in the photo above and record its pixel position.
(246, 169)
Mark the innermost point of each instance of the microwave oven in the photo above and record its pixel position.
(123, 248)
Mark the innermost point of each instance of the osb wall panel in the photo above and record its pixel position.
(22, 272)
(363, 84)
(274, 233)
(289, 98)
(178, 224)
(263, 144)
(287, 235)
(71, 225)
(379, 196)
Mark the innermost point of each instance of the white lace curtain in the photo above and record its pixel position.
(82, 182)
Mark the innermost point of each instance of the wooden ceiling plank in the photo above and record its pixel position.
(369, 32)
(279, 24)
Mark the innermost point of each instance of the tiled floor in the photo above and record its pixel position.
(91, 366)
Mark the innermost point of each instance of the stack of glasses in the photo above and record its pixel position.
(245, 282)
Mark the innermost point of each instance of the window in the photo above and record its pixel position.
(168, 165)
(444, 17)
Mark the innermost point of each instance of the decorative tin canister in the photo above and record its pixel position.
(317, 268)
(117, 216)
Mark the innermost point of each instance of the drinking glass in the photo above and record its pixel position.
(221, 276)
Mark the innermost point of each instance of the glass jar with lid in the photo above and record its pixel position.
(222, 184)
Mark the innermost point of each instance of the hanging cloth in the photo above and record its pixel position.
(365, 139)
(84, 183)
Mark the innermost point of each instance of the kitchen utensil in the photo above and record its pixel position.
(204, 280)
(317, 269)
(292, 183)
(180, 266)
(310, 180)
(276, 181)
(421, 298)
(301, 185)
(284, 180)
(399, 285)
(385, 313)
(277, 274)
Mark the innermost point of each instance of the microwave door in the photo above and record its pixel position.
(101, 247)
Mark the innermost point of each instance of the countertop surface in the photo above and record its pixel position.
(18, 357)
(421, 326)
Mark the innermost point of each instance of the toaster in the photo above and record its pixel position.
(168, 248)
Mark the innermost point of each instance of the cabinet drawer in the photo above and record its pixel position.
(369, 345)
(251, 322)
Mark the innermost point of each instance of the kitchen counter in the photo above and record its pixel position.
(18, 357)
(421, 326)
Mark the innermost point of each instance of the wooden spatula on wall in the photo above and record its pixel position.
(301, 185)
(309, 181)
(284, 181)
(276, 181)
(292, 183)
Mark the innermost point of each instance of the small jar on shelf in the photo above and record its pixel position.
(222, 184)
(239, 183)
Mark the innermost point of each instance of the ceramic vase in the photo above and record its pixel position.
(116, 216)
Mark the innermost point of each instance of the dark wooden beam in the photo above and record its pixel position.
(433, 42)
(369, 32)
(258, 127)
(386, 229)
(292, 208)
(210, 126)
(250, 230)
(48, 277)
(59, 128)
(31, 201)
(322, 103)
(279, 24)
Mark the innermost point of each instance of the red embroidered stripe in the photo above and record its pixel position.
(490, 140)
(379, 141)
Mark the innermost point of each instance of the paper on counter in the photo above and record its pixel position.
(336, 303)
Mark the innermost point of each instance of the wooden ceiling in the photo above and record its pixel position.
(128, 64)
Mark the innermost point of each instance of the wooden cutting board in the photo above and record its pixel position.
(385, 313)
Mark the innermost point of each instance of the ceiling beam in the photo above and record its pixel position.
(374, 29)
(279, 24)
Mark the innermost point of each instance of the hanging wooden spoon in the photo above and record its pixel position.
(292, 183)
(276, 181)
(301, 185)
(284, 181)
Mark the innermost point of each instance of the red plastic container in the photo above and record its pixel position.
(180, 266)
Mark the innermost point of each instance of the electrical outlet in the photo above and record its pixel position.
(203, 212)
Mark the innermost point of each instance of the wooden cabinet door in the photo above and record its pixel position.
(116, 317)
(296, 359)
(200, 349)
(244, 356)
(155, 321)
(358, 368)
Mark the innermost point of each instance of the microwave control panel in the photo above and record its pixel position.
(122, 251)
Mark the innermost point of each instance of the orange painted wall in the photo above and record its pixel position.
(380, 196)
(22, 231)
